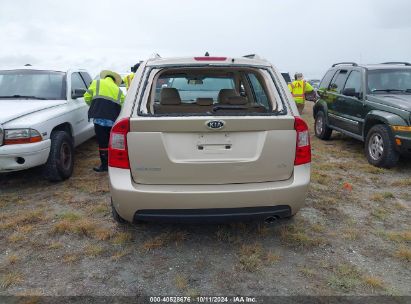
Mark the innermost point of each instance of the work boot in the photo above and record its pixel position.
(104, 162)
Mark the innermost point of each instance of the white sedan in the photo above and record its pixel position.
(43, 117)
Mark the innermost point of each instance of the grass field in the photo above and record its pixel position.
(352, 237)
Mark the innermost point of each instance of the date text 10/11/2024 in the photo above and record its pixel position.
(205, 299)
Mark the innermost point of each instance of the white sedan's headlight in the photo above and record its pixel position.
(21, 136)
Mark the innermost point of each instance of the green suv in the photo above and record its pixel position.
(371, 103)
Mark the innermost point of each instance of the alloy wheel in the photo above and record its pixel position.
(376, 146)
(319, 124)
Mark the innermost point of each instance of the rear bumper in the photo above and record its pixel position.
(212, 215)
(24, 156)
(131, 199)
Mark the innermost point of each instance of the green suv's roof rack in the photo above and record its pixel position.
(345, 63)
(397, 62)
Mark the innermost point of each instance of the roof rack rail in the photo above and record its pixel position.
(252, 56)
(344, 63)
(397, 62)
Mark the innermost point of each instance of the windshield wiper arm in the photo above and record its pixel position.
(23, 96)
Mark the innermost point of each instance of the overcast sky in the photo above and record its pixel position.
(299, 35)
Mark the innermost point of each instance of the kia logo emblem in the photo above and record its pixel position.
(215, 124)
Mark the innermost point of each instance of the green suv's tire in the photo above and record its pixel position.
(322, 131)
(117, 216)
(380, 147)
(60, 162)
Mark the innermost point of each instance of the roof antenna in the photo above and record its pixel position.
(207, 54)
(27, 64)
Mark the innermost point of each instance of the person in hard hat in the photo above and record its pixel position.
(129, 78)
(298, 88)
(105, 100)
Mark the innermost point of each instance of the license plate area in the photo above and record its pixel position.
(214, 142)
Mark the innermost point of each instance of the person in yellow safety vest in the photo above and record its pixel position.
(129, 78)
(298, 88)
(105, 99)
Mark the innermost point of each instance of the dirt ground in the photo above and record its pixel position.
(352, 237)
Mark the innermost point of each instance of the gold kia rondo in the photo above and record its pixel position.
(208, 139)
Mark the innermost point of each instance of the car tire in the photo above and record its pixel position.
(322, 131)
(60, 162)
(117, 216)
(380, 147)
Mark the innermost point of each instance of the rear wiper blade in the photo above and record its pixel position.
(228, 107)
(23, 96)
(387, 90)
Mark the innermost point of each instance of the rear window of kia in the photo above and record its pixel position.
(210, 93)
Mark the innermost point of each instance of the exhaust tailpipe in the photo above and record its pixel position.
(270, 219)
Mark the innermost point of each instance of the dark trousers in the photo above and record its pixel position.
(103, 136)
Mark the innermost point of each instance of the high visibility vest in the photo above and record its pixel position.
(128, 79)
(106, 99)
(297, 89)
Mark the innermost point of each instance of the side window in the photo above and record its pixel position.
(325, 82)
(259, 93)
(354, 81)
(77, 82)
(86, 77)
(286, 77)
(338, 81)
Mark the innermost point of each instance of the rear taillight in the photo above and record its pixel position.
(207, 58)
(117, 150)
(303, 147)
